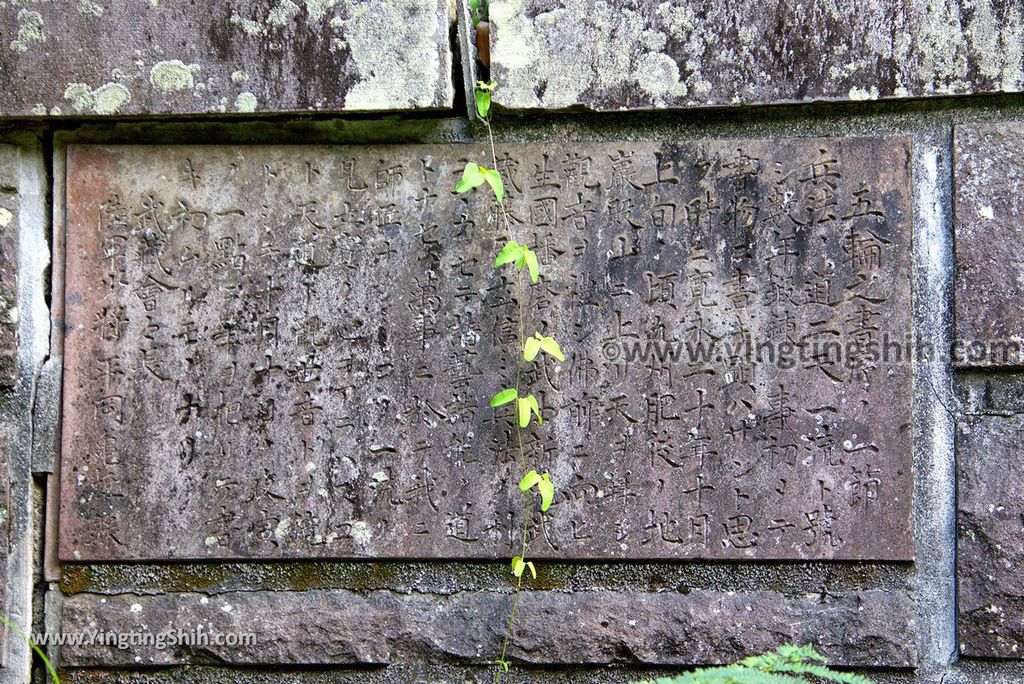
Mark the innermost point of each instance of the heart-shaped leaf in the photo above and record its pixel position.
(531, 348)
(530, 479)
(547, 491)
(549, 346)
(493, 179)
(472, 176)
(483, 102)
(531, 262)
(503, 397)
(510, 253)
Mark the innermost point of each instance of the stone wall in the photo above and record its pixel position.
(247, 335)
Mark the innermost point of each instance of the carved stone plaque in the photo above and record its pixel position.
(280, 351)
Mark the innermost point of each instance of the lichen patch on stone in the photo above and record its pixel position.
(30, 30)
(89, 9)
(172, 75)
(283, 13)
(245, 102)
(318, 9)
(107, 99)
(394, 49)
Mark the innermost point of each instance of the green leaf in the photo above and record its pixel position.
(511, 252)
(529, 479)
(493, 179)
(533, 568)
(503, 397)
(531, 348)
(472, 176)
(518, 565)
(483, 103)
(547, 491)
(526, 406)
(532, 403)
(524, 412)
(549, 346)
(531, 261)
(489, 86)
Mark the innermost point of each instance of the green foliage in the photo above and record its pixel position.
(521, 256)
(511, 253)
(547, 492)
(786, 665)
(478, 11)
(483, 98)
(518, 565)
(472, 177)
(539, 343)
(528, 405)
(542, 481)
(503, 397)
(493, 179)
(530, 259)
(529, 480)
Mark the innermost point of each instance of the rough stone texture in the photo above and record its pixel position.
(868, 628)
(989, 172)
(24, 236)
(287, 352)
(125, 57)
(991, 522)
(628, 54)
(9, 211)
(10, 168)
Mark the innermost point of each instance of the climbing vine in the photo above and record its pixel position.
(524, 405)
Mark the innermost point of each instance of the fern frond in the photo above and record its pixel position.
(822, 672)
(732, 674)
(787, 664)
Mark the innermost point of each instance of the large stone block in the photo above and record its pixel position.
(990, 525)
(866, 628)
(126, 57)
(288, 351)
(988, 175)
(640, 54)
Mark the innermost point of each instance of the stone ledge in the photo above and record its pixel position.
(870, 628)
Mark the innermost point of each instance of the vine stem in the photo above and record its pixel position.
(519, 431)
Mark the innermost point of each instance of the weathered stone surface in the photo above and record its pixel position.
(123, 57)
(288, 352)
(9, 211)
(868, 628)
(991, 522)
(988, 175)
(626, 54)
(10, 169)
